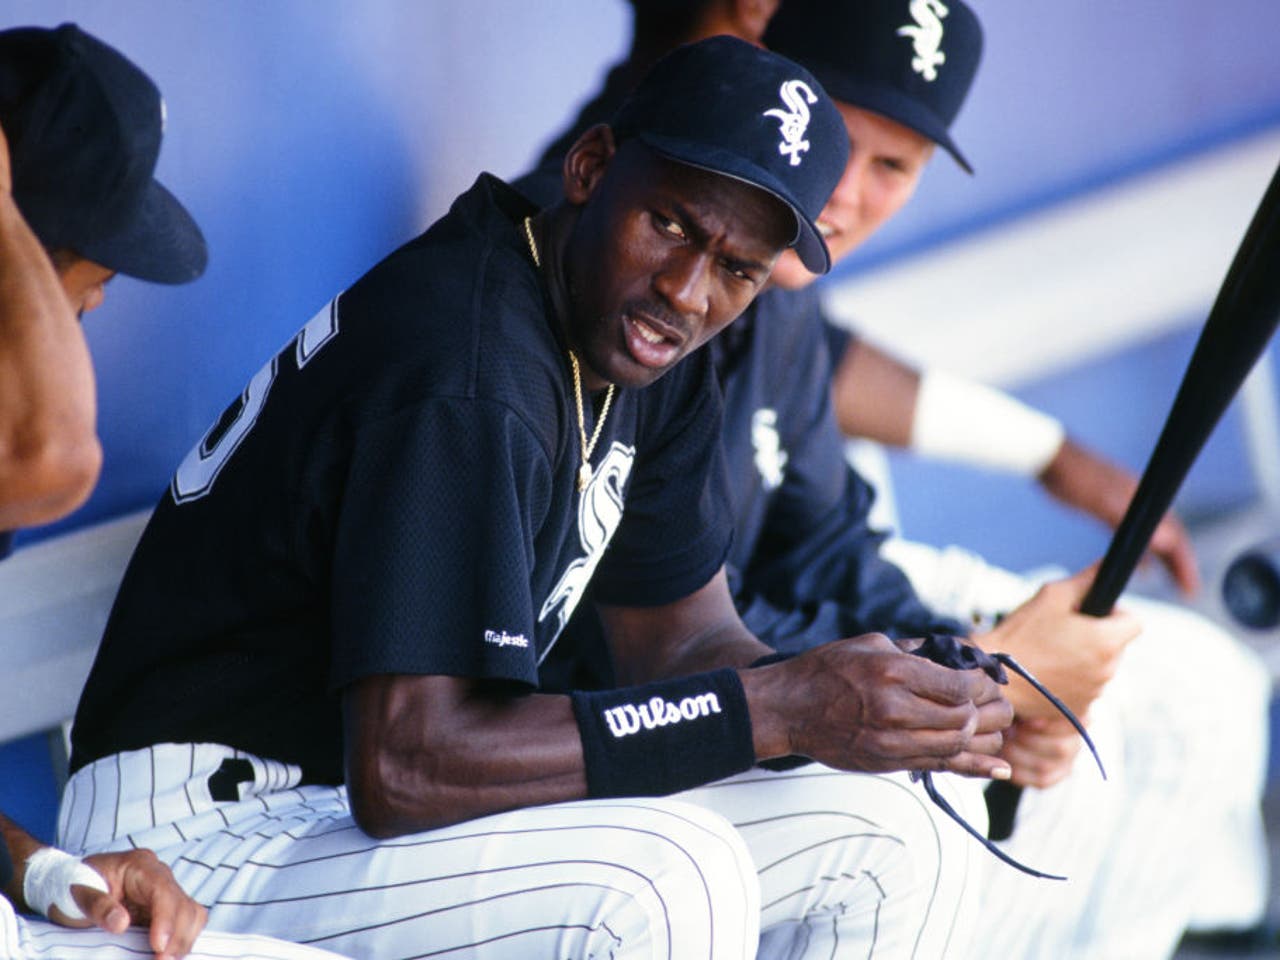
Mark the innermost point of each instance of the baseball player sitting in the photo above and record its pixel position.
(79, 135)
(810, 566)
(318, 696)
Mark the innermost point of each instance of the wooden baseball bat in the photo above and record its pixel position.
(1240, 324)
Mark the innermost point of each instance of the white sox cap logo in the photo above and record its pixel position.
(627, 718)
(926, 37)
(793, 122)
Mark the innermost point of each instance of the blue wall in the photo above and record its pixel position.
(310, 136)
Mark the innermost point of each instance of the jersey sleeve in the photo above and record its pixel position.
(833, 583)
(816, 572)
(839, 339)
(435, 544)
(677, 524)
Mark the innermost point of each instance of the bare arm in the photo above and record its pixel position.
(875, 396)
(49, 450)
(424, 752)
(1074, 655)
(1082, 479)
(855, 704)
(427, 751)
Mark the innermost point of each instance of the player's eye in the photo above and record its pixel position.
(669, 226)
(738, 271)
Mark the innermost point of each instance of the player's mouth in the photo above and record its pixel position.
(651, 342)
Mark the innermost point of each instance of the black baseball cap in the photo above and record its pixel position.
(912, 61)
(84, 127)
(732, 108)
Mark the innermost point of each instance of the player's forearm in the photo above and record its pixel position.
(20, 845)
(695, 634)
(874, 394)
(426, 752)
(49, 452)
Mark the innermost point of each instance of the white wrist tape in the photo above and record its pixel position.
(50, 874)
(961, 420)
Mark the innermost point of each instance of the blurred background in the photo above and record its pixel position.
(1120, 150)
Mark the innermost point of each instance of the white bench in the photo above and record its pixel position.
(54, 599)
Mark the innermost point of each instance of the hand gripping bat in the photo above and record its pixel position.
(1240, 324)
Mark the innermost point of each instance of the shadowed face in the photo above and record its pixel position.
(662, 258)
(83, 281)
(885, 163)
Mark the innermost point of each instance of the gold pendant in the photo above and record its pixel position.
(584, 476)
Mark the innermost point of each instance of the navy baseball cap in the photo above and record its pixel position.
(732, 108)
(84, 127)
(912, 61)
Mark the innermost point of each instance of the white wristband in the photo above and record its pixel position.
(961, 420)
(50, 874)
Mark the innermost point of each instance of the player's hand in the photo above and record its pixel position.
(863, 704)
(1084, 480)
(1072, 654)
(142, 892)
(1041, 751)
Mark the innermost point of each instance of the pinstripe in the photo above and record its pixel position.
(151, 770)
(267, 835)
(93, 802)
(66, 810)
(534, 882)
(806, 828)
(25, 938)
(908, 794)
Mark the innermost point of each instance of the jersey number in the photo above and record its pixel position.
(200, 468)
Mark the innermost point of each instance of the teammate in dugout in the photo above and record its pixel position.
(79, 136)
(332, 626)
(805, 564)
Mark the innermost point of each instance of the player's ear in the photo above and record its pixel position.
(752, 17)
(586, 162)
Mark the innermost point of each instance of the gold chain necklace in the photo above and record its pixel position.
(584, 471)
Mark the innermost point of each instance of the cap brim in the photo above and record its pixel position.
(894, 104)
(161, 243)
(808, 242)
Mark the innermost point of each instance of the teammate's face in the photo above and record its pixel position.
(662, 258)
(84, 283)
(885, 163)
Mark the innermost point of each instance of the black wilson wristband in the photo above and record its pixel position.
(664, 737)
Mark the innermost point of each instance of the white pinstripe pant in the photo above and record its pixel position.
(1175, 835)
(833, 865)
(25, 938)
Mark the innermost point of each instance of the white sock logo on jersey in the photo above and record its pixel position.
(926, 37)
(627, 718)
(770, 458)
(599, 513)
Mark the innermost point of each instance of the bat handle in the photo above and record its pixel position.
(1002, 806)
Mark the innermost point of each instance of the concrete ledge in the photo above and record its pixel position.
(1078, 280)
(54, 600)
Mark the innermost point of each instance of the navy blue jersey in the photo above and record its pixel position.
(394, 493)
(6, 544)
(806, 567)
(6, 866)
